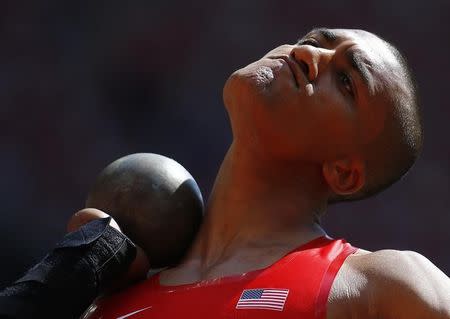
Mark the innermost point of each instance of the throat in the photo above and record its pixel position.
(246, 262)
(257, 212)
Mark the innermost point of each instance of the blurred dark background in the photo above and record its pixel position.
(84, 83)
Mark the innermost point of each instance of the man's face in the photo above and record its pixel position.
(320, 99)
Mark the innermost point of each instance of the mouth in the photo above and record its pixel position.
(298, 71)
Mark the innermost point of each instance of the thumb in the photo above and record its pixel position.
(85, 216)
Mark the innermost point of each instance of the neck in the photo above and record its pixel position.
(259, 203)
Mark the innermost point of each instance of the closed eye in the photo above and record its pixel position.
(346, 81)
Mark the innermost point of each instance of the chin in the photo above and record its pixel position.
(258, 76)
(251, 85)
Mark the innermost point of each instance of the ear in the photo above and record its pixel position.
(346, 176)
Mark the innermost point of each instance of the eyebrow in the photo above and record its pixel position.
(328, 34)
(359, 64)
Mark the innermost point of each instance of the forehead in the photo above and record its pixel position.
(374, 49)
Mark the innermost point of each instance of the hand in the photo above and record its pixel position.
(138, 268)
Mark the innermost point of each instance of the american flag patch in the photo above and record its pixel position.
(267, 298)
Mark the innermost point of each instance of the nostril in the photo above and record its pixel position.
(304, 67)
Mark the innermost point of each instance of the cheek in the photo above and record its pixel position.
(332, 112)
(372, 123)
(329, 140)
(331, 131)
(311, 131)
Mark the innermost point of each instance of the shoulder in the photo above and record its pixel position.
(392, 283)
(393, 267)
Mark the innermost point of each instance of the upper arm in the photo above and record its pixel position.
(405, 284)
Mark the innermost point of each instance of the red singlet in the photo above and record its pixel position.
(296, 286)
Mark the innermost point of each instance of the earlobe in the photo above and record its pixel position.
(345, 177)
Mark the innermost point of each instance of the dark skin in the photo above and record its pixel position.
(301, 117)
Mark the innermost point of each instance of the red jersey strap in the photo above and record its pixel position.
(328, 279)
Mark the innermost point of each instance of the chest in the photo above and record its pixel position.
(244, 297)
(279, 292)
(297, 286)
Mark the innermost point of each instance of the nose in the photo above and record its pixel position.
(312, 60)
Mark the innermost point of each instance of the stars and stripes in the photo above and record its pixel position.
(267, 298)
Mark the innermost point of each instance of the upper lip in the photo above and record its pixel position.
(299, 75)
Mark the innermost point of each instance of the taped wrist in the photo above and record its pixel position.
(75, 271)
